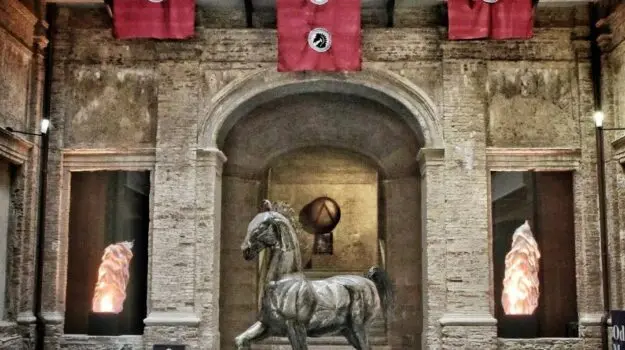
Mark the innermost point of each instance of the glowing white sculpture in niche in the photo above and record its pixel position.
(113, 275)
(521, 286)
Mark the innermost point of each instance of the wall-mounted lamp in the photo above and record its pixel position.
(598, 117)
(44, 128)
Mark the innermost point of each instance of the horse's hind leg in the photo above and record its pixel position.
(356, 333)
(297, 335)
(349, 335)
(256, 332)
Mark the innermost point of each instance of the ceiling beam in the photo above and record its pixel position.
(249, 12)
(390, 13)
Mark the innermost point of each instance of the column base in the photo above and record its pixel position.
(469, 331)
(173, 328)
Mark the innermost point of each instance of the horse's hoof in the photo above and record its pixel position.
(241, 344)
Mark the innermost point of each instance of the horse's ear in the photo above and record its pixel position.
(266, 205)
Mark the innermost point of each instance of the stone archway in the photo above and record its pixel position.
(387, 120)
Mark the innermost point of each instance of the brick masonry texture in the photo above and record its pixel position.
(144, 94)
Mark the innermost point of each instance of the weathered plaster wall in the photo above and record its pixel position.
(111, 110)
(484, 94)
(532, 104)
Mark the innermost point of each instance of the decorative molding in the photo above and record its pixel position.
(18, 20)
(468, 319)
(590, 319)
(14, 148)
(210, 156)
(171, 318)
(538, 159)
(619, 149)
(90, 341)
(247, 92)
(430, 157)
(26, 318)
(104, 159)
(53, 317)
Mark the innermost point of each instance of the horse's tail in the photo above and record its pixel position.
(384, 286)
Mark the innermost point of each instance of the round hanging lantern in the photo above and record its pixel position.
(321, 215)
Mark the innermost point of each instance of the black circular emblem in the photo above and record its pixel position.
(319, 40)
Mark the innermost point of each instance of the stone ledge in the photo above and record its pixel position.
(590, 319)
(211, 156)
(83, 341)
(14, 148)
(18, 19)
(619, 149)
(172, 318)
(537, 159)
(104, 159)
(540, 343)
(430, 157)
(329, 342)
(466, 319)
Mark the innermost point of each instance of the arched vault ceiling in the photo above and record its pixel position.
(321, 119)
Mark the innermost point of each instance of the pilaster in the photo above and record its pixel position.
(209, 166)
(431, 163)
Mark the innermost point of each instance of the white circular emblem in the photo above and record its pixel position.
(490, 1)
(319, 40)
(319, 2)
(156, 1)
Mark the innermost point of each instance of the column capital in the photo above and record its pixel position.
(430, 157)
(210, 157)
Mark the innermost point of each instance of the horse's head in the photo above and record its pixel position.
(264, 231)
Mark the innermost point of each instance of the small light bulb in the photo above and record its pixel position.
(45, 125)
(598, 117)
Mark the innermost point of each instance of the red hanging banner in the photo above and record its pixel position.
(468, 19)
(156, 19)
(512, 19)
(319, 35)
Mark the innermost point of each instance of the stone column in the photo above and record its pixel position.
(172, 312)
(469, 297)
(589, 299)
(208, 169)
(433, 239)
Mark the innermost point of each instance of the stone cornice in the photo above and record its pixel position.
(14, 148)
(468, 319)
(430, 157)
(547, 44)
(210, 156)
(103, 159)
(171, 318)
(18, 20)
(536, 159)
(619, 149)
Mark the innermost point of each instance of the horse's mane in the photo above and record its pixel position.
(288, 212)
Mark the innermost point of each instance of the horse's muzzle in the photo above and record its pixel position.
(249, 254)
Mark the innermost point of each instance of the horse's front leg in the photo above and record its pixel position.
(256, 332)
(297, 335)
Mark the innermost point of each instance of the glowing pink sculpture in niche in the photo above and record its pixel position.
(113, 275)
(521, 286)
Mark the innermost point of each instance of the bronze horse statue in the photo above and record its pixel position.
(296, 307)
